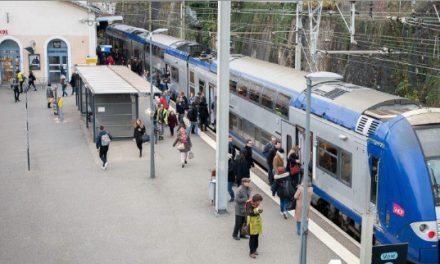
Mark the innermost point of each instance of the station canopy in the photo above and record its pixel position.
(113, 80)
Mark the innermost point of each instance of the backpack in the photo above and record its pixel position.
(105, 140)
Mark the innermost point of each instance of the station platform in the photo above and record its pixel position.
(68, 210)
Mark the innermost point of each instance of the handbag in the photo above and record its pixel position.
(145, 138)
(244, 230)
(295, 169)
(190, 155)
(180, 146)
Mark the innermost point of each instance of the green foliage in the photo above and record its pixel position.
(433, 87)
(404, 89)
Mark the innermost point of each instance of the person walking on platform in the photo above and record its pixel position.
(14, 87)
(172, 122)
(49, 95)
(299, 201)
(20, 79)
(267, 153)
(241, 168)
(63, 85)
(231, 148)
(103, 140)
(231, 177)
(139, 131)
(293, 165)
(242, 195)
(72, 82)
(180, 108)
(277, 161)
(203, 115)
(161, 117)
(31, 81)
(285, 189)
(60, 107)
(183, 142)
(192, 117)
(247, 150)
(253, 212)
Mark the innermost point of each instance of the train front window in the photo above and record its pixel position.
(429, 137)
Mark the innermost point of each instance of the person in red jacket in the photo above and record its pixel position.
(163, 101)
(110, 60)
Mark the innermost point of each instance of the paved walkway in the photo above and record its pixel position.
(67, 210)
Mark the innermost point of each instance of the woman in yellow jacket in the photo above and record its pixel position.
(254, 210)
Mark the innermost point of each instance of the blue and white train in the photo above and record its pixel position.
(359, 136)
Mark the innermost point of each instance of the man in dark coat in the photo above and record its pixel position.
(247, 150)
(269, 154)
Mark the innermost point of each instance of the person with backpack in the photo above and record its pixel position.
(72, 82)
(31, 81)
(253, 212)
(49, 94)
(285, 189)
(139, 131)
(192, 117)
(242, 195)
(103, 140)
(293, 165)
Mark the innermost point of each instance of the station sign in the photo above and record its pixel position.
(390, 254)
(3, 32)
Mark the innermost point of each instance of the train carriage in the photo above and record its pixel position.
(360, 136)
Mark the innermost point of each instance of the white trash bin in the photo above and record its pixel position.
(211, 190)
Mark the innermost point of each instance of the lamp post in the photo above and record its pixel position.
(321, 77)
(152, 167)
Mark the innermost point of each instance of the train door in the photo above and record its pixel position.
(375, 152)
(288, 132)
(300, 139)
(212, 104)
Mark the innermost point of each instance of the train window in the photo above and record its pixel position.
(374, 179)
(232, 121)
(248, 130)
(328, 158)
(136, 53)
(174, 74)
(346, 167)
(254, 92)
(191, 77)
(201, 85)
(282, 105)
(242, 89)
(258, 143)
(267, 97)
(232, 86)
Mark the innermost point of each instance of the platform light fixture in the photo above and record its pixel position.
(152, 107)
(313, 79)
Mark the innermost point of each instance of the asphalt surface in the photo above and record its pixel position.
(68, 210)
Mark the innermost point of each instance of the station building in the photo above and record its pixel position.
(47, 37)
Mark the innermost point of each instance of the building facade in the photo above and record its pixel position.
(47, 37)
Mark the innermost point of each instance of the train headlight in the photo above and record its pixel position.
(423, 227)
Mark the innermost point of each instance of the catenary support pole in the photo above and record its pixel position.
(150, 25)
(182, 20)
(222, 126)
(298, 38)
(304, 216)
(27, 133)
(367, 229)
(152, 108)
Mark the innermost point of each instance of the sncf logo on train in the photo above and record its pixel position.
(398, 210)
(3, 32)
